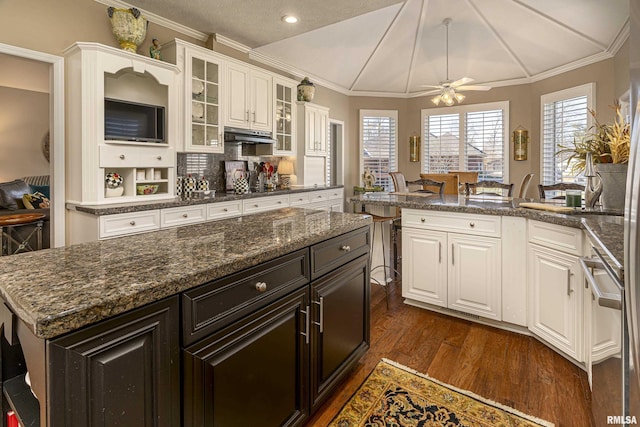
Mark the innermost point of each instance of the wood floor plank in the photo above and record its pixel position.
(512, 369)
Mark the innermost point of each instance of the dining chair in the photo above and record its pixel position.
(450, 182)
(524, 185)
(559, 187)
(499, 187)
(399, 182)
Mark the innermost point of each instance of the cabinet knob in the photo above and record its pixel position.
(184, 215)
(122, 156)
(132, 223)
(159, 157)
(279, 202)
(261, 286)
(472, 224)
(345, 248)
(422, 220)
(225, 210)
(255, 206)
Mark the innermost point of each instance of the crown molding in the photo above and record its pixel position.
(620, 38)
(601, 56)
(157, 19)
(231, 43)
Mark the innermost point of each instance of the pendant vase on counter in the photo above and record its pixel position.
(614, 184)
(189, 186)
(202, 184)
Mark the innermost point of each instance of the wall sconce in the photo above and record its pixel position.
(414, 148)
(520, 142)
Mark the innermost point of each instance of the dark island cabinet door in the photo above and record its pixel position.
(340, 316)
(255, 372)
(124, 371)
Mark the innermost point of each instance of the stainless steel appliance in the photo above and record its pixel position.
(247, 136)
(631, 354)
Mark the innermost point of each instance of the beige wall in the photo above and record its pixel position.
(64, 22)
(24, 122)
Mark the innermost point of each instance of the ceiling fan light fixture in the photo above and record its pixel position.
(436, 100)
(460, 97)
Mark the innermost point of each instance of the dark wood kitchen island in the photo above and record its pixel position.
(197, 325)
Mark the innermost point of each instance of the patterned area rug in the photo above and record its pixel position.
(394, 395)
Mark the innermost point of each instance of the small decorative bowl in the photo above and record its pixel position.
(145, 189)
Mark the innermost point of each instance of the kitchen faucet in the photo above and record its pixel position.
(592, 189)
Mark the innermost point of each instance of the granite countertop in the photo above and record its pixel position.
(118, 208)
(55, 291)
(605, 228)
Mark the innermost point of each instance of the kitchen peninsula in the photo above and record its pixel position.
(488, 259)
(104, 325)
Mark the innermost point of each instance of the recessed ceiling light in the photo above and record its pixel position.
(290, 19)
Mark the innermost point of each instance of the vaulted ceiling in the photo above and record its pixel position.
(386, 47)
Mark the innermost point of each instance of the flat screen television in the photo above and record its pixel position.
(132, 121)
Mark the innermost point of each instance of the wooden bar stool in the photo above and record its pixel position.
(381, 221)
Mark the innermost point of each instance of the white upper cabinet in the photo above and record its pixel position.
(314, 120)
(202, 95)
(249, 98)
(284, 131)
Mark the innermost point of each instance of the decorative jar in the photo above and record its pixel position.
(306, 90)
(129, 27)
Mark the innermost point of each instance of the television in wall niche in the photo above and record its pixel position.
(132, 121)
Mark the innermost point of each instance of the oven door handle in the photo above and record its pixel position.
(604, 299)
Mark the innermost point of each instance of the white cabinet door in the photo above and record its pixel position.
(555, 299)
(316, 120)
(237, 96)
(261, 101)
(284, 127)
(475, 278)
(424, 266)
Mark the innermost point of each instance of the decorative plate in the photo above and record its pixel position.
(197, 87)
(197, 111)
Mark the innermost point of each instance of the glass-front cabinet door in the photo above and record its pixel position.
(205, 134)
(284, 131)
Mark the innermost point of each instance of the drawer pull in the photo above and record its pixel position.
(422, 219)
(225, 210)
(279, 202)
(255, 206)
(261, 286)
(159, 157)
(439, 252)
(345, 248)
(184, 215)
(472, 224)
(453, 259)
(569, 290)
(132, 223)
(122, 156)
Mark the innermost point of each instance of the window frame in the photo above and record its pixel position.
(461, 110)
(587, 89)
(377, 113)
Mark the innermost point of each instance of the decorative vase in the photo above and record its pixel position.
(614, 184)
(129, 27)
(189, 186)
(306, 90)
(113, 192)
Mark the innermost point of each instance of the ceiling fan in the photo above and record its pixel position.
(449, 91)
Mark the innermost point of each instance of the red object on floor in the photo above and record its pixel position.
(12, 419)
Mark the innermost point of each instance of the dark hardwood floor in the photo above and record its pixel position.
(506, 367)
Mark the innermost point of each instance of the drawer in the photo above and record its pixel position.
(224, 209)
(183, 215)
(127, 156)
(333, 253)
(298, 199)
(129, 223)
(318, 196)
(561, 238)
(334, 194)
(214, 305)
(479, 225)
(261, 204)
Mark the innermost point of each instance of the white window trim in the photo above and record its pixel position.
(588, 89)
(375, 113)
(461, 109)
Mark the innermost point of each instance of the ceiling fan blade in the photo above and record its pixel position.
(462, 81)
(429, 92)
(473, 87)
(432, 86)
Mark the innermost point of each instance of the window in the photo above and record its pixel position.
(565, 117)
(379, 144)
(467, 138)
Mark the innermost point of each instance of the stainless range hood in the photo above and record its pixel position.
(247, 136)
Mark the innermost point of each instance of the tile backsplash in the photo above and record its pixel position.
(211, 166)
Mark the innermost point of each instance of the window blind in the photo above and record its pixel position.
(484, 144)
(563, 121)
(379, 142)
(467, 138)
